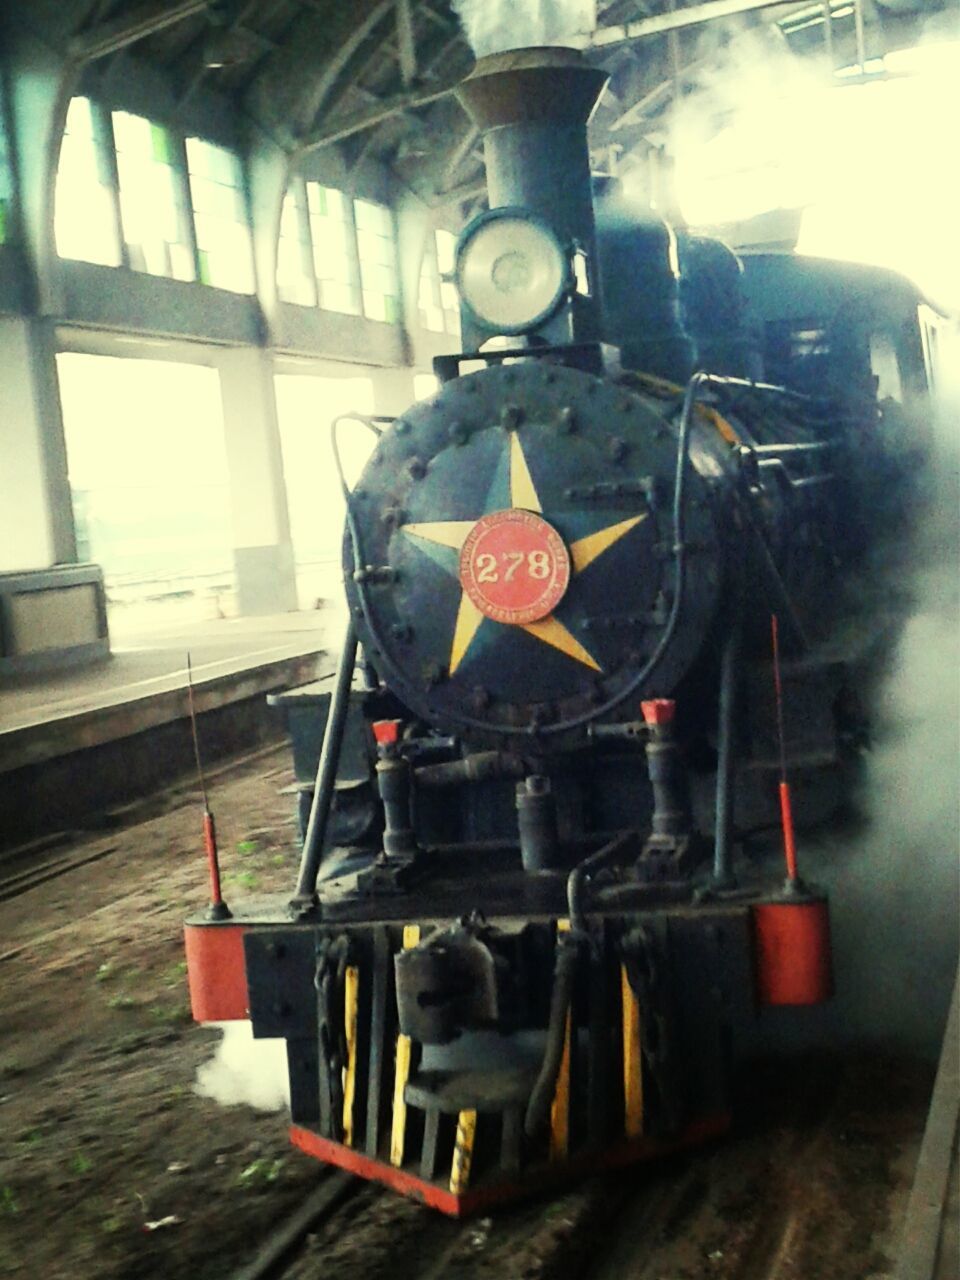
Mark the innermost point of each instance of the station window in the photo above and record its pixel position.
(439, 306)
(377, 251)
(6, 183)
(334, 249)
(295, 279)
(85, 221)
(151, 206)
(224, 246)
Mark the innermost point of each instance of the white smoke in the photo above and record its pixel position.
(894, 883)
(493, 26)
(245, 1070)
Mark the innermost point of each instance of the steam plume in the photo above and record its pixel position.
(493, 26)
(244, 1070)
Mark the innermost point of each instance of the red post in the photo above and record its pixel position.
(789, 839)
(213, 859)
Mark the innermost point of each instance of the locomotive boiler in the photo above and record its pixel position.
(520, 946)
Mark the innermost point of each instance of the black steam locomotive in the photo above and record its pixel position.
(520, 945)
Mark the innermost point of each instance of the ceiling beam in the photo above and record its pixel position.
(406, 42)
(676, 19)
(386, 109)
(134, 25)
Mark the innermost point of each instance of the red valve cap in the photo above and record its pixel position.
(386, 732)
(658, 710)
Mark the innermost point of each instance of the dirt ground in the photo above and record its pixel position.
(111, 1166)
(101, 1133)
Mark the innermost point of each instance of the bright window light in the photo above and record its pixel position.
(220, 216)
(85, 221)
(306, 405)
(334, 249)
(295, 279)
(868, 162)
(154, 225)
(425, 385)
(439, 303)
(148, 476)
(377, 251)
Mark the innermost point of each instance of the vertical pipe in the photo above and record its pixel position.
(828, 34)
(723, 877)
(861, 42)
(326, 773)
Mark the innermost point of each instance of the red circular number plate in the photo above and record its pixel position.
(514, 566)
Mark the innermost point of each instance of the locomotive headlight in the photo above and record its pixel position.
(511, 270)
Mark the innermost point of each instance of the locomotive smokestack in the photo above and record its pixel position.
(533, 106)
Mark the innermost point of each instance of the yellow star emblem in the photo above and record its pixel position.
(583, 552)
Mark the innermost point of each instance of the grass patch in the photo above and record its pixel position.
(262, 1172)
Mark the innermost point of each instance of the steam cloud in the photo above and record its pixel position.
(244, 1070)
(493, 26)
(894, 885)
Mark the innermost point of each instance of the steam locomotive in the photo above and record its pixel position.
(520, 946)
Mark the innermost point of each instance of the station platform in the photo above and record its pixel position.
(76, 742)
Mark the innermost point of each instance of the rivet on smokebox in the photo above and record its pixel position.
(392, 517)
(432, 674)
(458, 433)
(401, 426)
(416, 468)
(617, 448)
(402, 631)
(567, 420)
(511, 417)
(480, 698)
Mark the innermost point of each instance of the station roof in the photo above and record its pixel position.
(372, 78)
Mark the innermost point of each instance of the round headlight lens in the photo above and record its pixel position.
(511, 272)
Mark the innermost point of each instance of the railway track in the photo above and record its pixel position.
(72, 847)
(803, 1191)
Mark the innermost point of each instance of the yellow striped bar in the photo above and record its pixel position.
(632, 1062)
(560, 1108)
(463, 1152)
(351, 990)
(411, 938)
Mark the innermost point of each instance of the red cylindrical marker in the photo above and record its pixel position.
(789, 840)
(786, 808)
(213, 858)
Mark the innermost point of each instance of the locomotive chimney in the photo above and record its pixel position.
(533, 106)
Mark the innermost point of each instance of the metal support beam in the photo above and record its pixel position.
(136, 25)
(861, 42)
(385, 110)
(675, 20)
(828, 32)
(406, 44)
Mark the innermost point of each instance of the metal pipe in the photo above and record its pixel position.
(674, 20)
(802, 446)
(306, 894)
(578, 877)
(723, 877)
(861, 41)
(541, 1096)
(828, 33)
